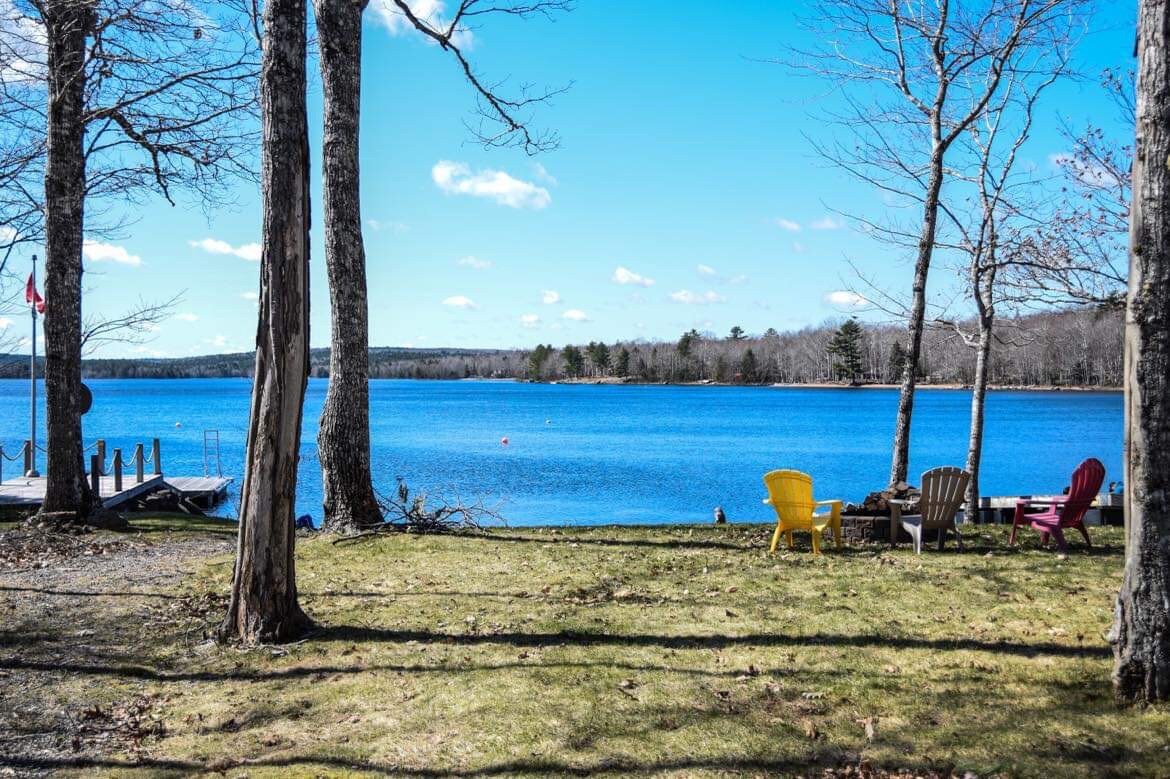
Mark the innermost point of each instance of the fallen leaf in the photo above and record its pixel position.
(868, 723)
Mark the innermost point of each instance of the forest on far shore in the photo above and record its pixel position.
(1077, 347)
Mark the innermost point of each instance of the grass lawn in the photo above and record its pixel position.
(673, 650)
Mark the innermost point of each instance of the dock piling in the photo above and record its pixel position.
(101, 454)
(28, 453)
(117, 466)
(139, 466)
(95, 475)
(156, 456)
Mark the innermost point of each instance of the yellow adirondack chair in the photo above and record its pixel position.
(790, 493)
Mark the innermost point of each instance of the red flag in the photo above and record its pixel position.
(32, 296)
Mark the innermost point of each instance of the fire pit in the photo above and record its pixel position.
(869, 521)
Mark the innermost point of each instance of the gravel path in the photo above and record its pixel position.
(70, 605)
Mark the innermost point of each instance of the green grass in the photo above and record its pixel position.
(670, 649)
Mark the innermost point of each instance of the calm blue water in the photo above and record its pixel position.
(616, 453)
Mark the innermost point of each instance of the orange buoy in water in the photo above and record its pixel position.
(504, 441)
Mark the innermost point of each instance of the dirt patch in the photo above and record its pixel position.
(70, 604)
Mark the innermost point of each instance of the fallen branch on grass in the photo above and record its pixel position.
(404, 513)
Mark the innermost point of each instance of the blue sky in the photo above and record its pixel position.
(684, 193)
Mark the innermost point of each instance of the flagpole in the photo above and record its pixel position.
(32, 384)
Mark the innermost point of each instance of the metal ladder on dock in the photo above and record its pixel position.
(211, 448)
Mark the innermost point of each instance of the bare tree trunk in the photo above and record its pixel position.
(343, 443)
(901, 459)
(263, 605)
(67, 23)
(1141, 629)
(978, 404)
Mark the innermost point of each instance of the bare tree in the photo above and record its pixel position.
(136, 325)
(932, 70)
(996, 228)
(1141, 628)
(343, 441)
(1080, 253)
(264, 606)
(131, 97)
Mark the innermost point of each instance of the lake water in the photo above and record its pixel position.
(587, 454)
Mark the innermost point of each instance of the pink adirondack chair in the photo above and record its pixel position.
(1064, 511)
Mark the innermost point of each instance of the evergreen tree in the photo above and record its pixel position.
(686, 342)
(536, 360)
(749, 367)
(737, 334)
(897, 362)
(846, 348)
(621, 363)
(598, 354)
(574, 360)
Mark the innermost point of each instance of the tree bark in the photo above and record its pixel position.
(1141, 629)
(978, 405)
(67, 25)
(263, 606)
(901, 458)
(343, 442)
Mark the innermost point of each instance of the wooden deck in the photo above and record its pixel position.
(25, 491)
(204, 492)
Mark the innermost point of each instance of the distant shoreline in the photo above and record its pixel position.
(835, 385)
(615, 381)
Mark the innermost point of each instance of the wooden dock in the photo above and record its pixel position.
(30, 491)
(204, 492)
(124, 480)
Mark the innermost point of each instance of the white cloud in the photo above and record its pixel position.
(456, 178)
(25, 40)
(250, 295)
(550, 296)
(576, 315)
(798, 247)
(543, 174)
(845, 299)
(377, 225)
(696, 298)
(219, 341)
(705, 270)
(187, 317)
(473, 262)
(530, 320)
(826, 223)
(788, 224)
(104, 252)
(626, 276)
(5, 323)
(460, 301)
(430, 12)
(247, 251)
(737, 280)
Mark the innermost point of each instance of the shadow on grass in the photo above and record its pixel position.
(538, 767)
(90, 593)
(585, 540)
(146, 673)
(709, 641)
(180, 523)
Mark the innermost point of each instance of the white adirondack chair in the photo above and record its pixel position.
(942, 497)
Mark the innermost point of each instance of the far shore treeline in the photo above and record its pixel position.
(1070, 348)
